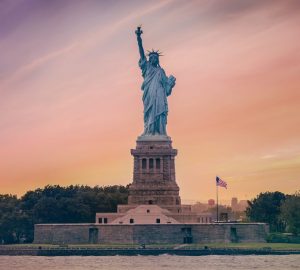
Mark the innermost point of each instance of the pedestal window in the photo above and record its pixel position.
(151, 163)
(158, 163)
(144, 164)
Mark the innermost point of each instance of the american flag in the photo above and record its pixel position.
(220, 182)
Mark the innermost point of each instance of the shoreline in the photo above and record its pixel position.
(89, 251)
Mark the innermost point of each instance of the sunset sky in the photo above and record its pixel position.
(70, 98)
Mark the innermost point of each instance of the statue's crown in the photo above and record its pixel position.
(153, 52)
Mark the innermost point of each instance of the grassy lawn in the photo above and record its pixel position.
(73, 246)
(274, 246)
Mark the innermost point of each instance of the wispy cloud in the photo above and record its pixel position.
(71, 99)
(90, 39)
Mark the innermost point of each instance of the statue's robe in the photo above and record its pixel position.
(156, 88)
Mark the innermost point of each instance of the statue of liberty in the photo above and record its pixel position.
(156, 87)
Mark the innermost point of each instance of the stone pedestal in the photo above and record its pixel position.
(154, 172)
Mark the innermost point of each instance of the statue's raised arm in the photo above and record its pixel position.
(138, 33)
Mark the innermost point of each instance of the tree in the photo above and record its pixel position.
(290, 213)
(14, 223)
(266, 208)
(55, 204)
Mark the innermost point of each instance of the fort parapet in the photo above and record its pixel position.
(149, 233)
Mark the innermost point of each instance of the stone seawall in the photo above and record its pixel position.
(149, 234)
(143, 252)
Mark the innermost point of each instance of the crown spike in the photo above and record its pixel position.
(156, 52)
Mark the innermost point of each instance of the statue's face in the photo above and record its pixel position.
(154, 60)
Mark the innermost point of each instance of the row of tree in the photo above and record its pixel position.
(79, 204)
(280, 211)
(55, 204)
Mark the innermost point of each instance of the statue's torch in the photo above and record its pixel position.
(139, 31)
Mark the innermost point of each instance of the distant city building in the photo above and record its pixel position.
(199, 207)
(234, 204)
(243, 204)
(211, 202)
(203, 207)
(238, 206)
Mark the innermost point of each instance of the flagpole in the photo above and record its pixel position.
(217, 202)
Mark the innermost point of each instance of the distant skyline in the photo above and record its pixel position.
(70, 98)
